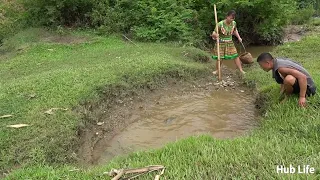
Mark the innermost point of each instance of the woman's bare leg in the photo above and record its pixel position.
(239, 66)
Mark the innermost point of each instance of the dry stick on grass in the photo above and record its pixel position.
(130, 40)
(6, 116)
(145, 169)
(139, 174)
(118, 176)
(122, 172)
(158, 176)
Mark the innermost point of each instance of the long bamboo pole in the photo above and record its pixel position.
(218, 48)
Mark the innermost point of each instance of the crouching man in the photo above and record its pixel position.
(294, 79)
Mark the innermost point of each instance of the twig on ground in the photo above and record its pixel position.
(118, 173)
(130, 40)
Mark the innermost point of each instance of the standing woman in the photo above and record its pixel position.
(228, 51)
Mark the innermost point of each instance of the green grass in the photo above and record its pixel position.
(62, 76)
(287, 134)
(315, 21)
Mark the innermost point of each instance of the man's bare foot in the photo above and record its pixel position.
(214, 72)
(243, 72)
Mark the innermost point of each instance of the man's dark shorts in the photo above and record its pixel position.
(310, 90)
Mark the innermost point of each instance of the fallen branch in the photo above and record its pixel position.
(158, 176)
(6, 116)
(18, 125)
(118, 173)
(51, 111)
(130, 40)
(118, 176)
(137, 175)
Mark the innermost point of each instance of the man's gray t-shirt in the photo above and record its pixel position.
(288, 63)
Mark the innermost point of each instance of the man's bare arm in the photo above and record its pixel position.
(302, 79)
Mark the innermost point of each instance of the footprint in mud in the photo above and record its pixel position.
(169, 120)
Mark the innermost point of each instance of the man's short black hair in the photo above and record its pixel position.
(264, 57)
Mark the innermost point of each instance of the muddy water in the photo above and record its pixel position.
(222, 114)
(255, 51)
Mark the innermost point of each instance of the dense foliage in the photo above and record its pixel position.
(187, 21)
(11, 18)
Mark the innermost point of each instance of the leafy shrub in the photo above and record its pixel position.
(303, 15)
(184, 21)
(193, 21)
(11, 18)
(315, 21)
(58, 12)
(262, 21)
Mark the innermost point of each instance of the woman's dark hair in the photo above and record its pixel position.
(232, 13)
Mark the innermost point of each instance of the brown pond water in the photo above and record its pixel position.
(255, 51)
(222, 114)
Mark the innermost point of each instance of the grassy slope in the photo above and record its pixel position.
(61, 76)
(288, 135)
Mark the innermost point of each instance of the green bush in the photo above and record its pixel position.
(58, 12)
(303, 15)
(315, 21)
(262, 21)
(165, 21)
(11, 18)
(314, 3)
(186, 21)
(192, 21)
(116, 15)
